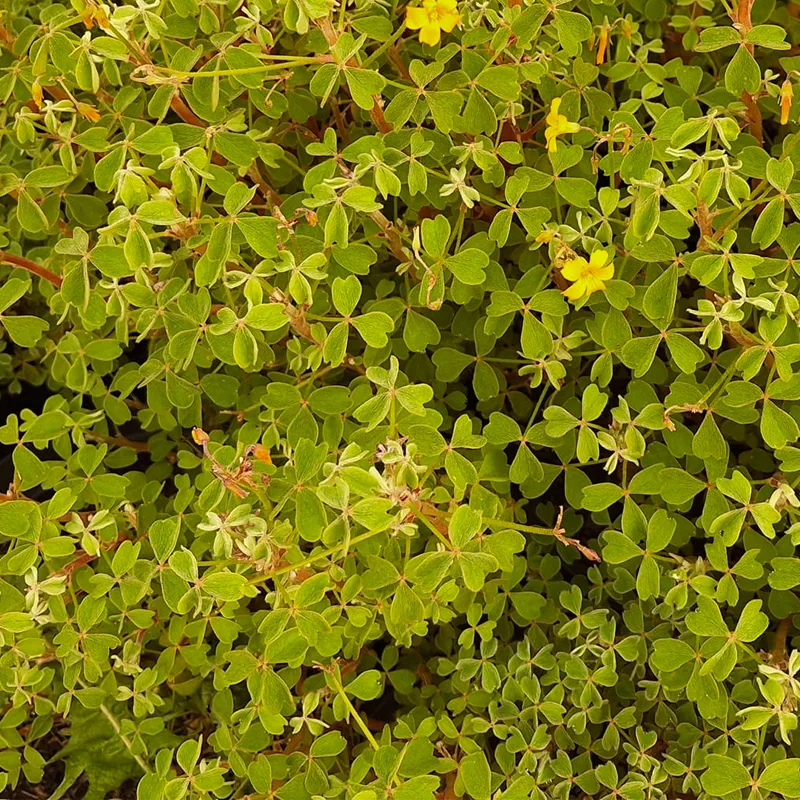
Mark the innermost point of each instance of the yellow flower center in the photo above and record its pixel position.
(590, 271)
(433, 17)
(589, 276)
(434, 11)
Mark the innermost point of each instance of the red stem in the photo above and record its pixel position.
(32, 266)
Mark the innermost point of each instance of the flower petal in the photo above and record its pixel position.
(449, 20)
(574, 268)
(430, 33)
(575, 292)
(593, 284)
(605, 273)
(416, 18)
(598, 258)
(552, 117)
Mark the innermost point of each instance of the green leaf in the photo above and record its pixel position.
(639, 353)
(374, 328)
(709, 442)
(742, 73)
(501, 81)
(601, 496)
(659, 299)
(782, 777)
(15, 622)
(367, 686)
(752, 622)
(25, 331)
(771, 36)
(476, 776)
(224, 585)
(527, 25)
(671, 654)
(159, 212)
(769, 223)
(715, 38)
(328, 745)
(12, 290)
(724, 775)
(707, 619)
(18, 517)
(678, 486)
(414, 398)
(29, 214)
(686, 354)
(261, 234)
(47, 426)
(406, 608)
(465, 524)
(619, 548)
(778, 428)
(573, 29)
(592, 403)
(576, 191)
(266, 317)
(47, 177)
(163, 538)
(468, 266)
(363, 84)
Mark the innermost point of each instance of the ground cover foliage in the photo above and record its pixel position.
(399, 401)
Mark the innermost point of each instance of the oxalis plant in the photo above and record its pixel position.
(400, 402)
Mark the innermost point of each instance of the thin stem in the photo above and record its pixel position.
(118, 441)
(386, 45)
(538, 406)
(360, 722)
(224, 73)
(432, 528)
(32, 267)
(123, 738)
(312, 559)
(518, 527)
(762, 736)
(723, 379)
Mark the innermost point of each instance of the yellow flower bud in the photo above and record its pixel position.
(786, 95)
(200, 436)
(602, 44)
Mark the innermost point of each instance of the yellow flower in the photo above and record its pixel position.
(602, 44)
(587, 276)
(37, 93)
(786, 95)
(557, 125)
(433, 17)
(200, 436)
(546, 236)
(88, 112)
(261, 453)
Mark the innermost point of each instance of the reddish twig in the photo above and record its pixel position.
(559, 533)
(32, 267)
(755, 122)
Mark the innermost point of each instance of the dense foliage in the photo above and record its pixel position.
(399, 401)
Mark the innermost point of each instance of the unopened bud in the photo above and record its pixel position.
(602, 44)
(786, 96)
(200, 436)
